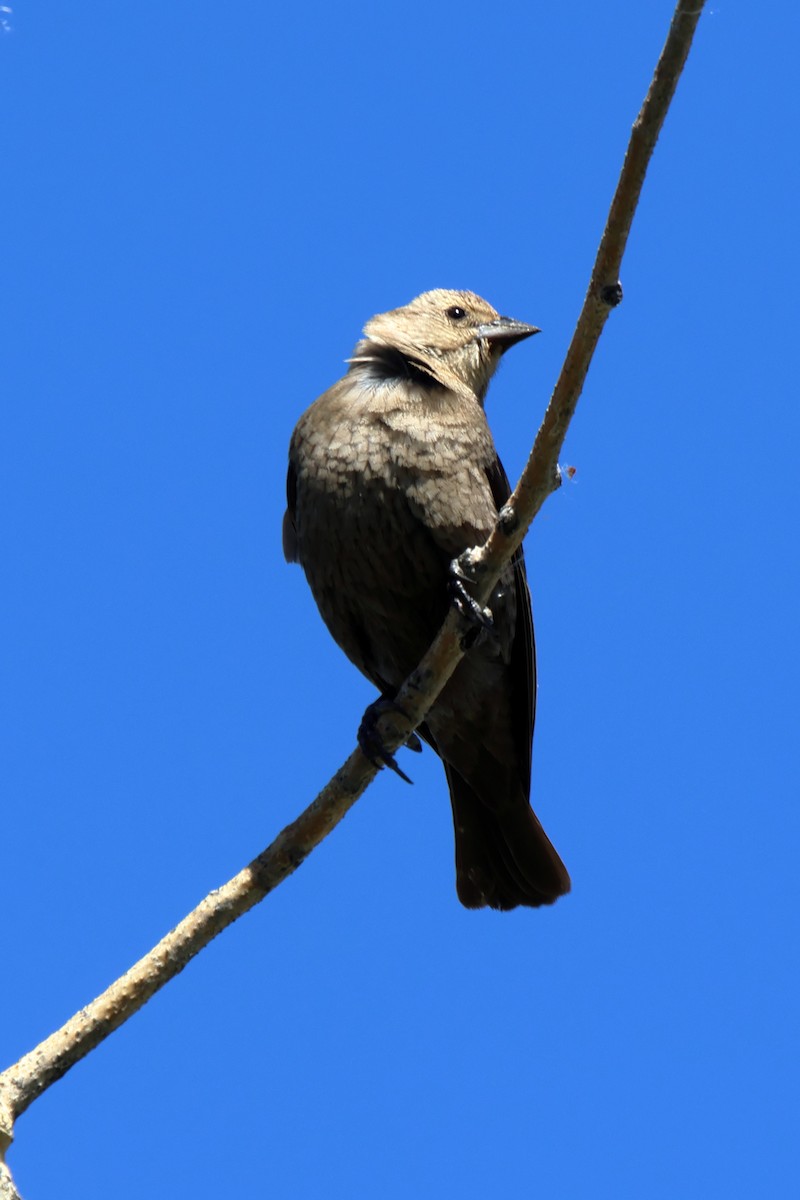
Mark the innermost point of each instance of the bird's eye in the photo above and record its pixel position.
(455, 313)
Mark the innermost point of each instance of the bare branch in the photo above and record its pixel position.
(541, 476)
(7, 1188)
(52, 1058)
(29, 1077)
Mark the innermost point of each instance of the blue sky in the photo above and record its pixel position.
(201, 206)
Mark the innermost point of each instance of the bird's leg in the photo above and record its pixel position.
(371, 743)
(480, 619)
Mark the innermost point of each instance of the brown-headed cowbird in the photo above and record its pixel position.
(392, 474)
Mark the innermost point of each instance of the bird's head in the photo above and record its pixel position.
(455, 337)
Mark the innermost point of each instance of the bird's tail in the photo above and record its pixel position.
(503, 856)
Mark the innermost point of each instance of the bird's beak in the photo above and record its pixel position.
(505, 332)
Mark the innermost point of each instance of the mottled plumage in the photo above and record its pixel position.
(392, 474)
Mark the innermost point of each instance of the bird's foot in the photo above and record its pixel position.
(480, 619)
(371, 743)
(413, 743)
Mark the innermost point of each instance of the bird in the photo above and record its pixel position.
(393, 473)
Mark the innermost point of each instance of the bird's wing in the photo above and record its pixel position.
(523, 651)
(289, 530)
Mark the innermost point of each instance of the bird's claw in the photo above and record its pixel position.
(480, 619)
(371, 743)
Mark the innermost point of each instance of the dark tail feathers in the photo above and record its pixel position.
(503, 858)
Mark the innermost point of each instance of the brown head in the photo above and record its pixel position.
(455, 337)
